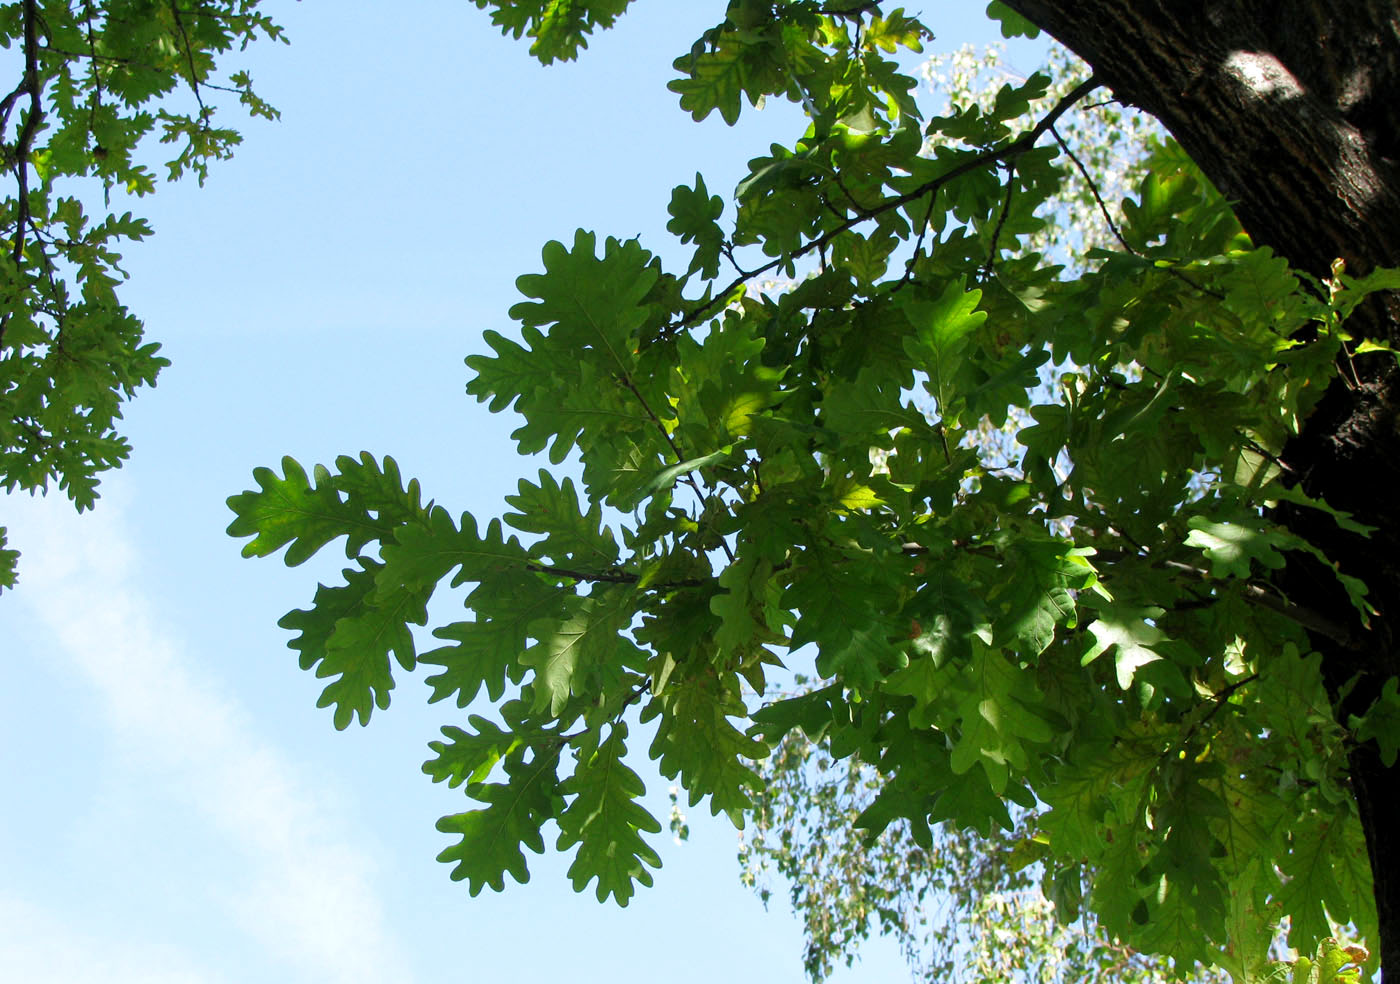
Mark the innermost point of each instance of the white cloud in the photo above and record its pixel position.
(307, 896)
(37, 948)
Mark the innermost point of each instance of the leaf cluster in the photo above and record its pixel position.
(1088, 635)
(92, 82)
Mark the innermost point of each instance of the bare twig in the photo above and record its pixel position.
(1093, 190)
(92, 55)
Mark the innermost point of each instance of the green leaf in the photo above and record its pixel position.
(744, 582)
(568, 656)
(999, 719)
(696, 739)
(693, 215)
(1277, 492)
(606, 822)
(838, 600)
(486, 651)
(1185, 815)
(1090, 789)
(1038, 596)
(869, 408)
(429, 551)
(1311, 891)
(1013, 25)
(717, 79)
(1381, 722)
(1131, 633)
(467, 757)
(941, 331)
(290, 511)
(8, 561)
(571, 538)
(667, 477)
(557, 30)
(590, 303)
(349, 632)
(490, 840)
(812, 712)
(1231, 547)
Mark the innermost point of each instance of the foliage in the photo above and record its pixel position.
(94, 80)
(972, 906)
(1088, 637)
(969, 907)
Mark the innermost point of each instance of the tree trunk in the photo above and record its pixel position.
(1292, 109)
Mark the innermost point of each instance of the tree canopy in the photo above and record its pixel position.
(1159, 629)
(94, 82)
(969, 907)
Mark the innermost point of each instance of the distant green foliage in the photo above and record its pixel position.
(1088, 636)
(962, 906)
(92, 80)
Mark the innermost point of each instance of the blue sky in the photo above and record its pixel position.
(176, 807)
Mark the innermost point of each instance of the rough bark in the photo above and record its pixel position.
(1292, 108)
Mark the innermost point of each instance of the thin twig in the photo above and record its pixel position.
(189, 58)
(1005, 211)
(92, 54)
(632, 388)
(1256, 594)
(853, 11)
(1218, 700)
(908, 276)
(1113, 226)
(860, 209)
(1093, 190)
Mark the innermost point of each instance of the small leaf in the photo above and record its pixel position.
(1013, 24)
(1130, 633)
(1232, 546)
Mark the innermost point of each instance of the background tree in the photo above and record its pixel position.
(92, 81)
(970, 907)
(1142, 658)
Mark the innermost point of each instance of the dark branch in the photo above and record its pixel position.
(1254, 593)
(613, 577)
(24, 140)
(24, 143)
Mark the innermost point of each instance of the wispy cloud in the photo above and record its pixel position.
(37, 947)
(307, 898)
